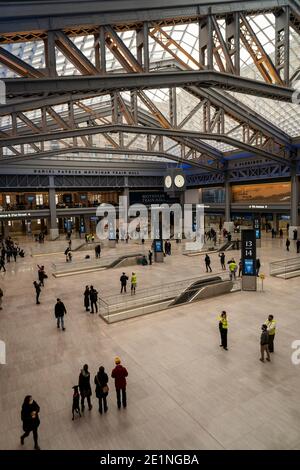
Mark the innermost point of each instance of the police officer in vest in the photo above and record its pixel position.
(271, 326)
(223, 328)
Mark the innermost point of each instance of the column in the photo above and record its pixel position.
(228, 225)
(295, 189)
(53, 232)
(275, 221)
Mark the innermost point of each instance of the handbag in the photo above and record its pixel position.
(105, 388)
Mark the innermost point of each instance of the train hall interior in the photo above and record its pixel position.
(149, 224)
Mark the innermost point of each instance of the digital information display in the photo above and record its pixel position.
(248, 252)
(158, 246)
(257, 227)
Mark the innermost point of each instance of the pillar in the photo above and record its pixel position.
(295, 188)
(53, 232)
(275, 221)
(228, 225)
(227, 201)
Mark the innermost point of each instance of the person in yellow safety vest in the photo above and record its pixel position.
(133, 283)
(271, 326)
(232, 269)
(223, 328)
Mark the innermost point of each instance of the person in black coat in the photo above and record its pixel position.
(85, 386)
(60, 311)
(207, 263)
(123, 280)
(150, 254)
(38, 289)
(257, 266)
(222, 260)
(31, 421)
(86, 295)
(287, 244)
(93, 299)
(101, 380)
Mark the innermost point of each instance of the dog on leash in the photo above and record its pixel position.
(75, 406)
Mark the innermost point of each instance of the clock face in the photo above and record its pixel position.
(168, 181)
(179, 181)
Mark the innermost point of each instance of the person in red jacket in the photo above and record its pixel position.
(119, 373)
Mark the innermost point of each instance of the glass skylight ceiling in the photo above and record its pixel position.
(284, 115)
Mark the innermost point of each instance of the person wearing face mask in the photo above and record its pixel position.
(31, 421)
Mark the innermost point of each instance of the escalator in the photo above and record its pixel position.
(121, 258)
(188, 294)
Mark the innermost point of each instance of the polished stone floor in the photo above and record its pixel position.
(184, 392)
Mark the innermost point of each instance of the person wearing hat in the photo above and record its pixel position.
(120, 373)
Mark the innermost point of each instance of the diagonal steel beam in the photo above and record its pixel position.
(74, 55)
(18, 65)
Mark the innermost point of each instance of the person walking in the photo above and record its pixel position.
(86, 296)
(281, 233)
(60, 311)
(240, 267)
(2, 264)
(232, 269)
(287, 244)
(1, 298)
(31, 421)
(123, 280)
(38, 289)
(150, 254)
(101, 382)
(207, 263)
(264, 344)
(222, 260)
(257, 266)
(133, 283)
(298, 246)
(41, 274)
(119, 373)
(85, 386)
(93, 299)
(271, 328)
(223, 328)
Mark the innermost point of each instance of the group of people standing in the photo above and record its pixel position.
(30, 408)
(268, 330)
(90, 299)
(119, 374)
(124, 279)
(9, 249)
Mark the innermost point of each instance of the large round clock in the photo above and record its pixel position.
(179, 181)
(168, 181)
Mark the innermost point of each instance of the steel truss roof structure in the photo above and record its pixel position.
(178, 80)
